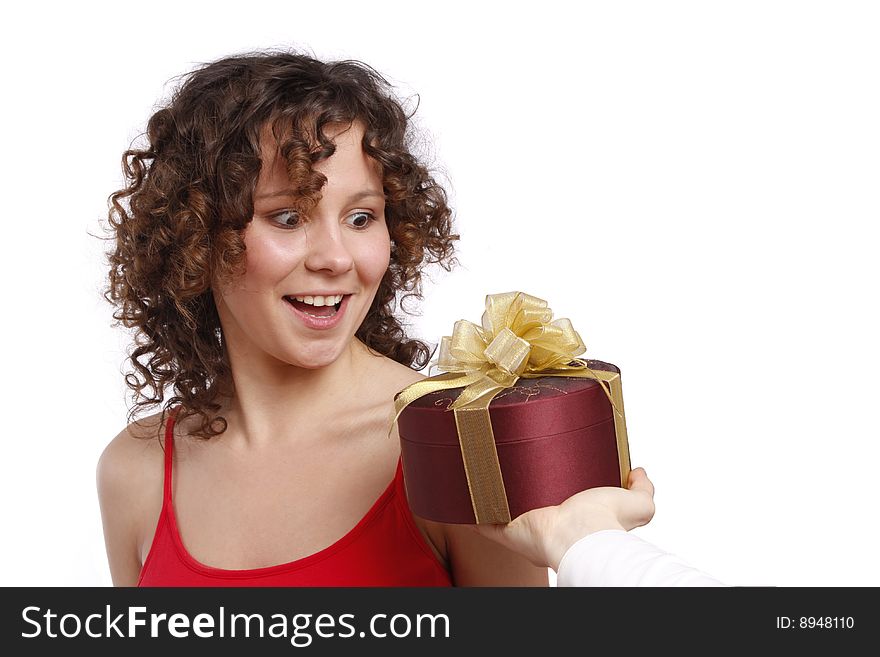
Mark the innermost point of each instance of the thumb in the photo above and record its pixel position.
(638, 481)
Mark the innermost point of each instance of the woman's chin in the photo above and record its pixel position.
(315, 360)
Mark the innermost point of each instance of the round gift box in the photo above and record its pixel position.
(554, 437)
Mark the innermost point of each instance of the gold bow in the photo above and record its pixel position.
(517, 339)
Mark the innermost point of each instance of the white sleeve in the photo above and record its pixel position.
(613, 557)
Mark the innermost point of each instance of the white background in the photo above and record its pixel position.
(693, 184)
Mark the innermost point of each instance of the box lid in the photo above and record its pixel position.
(533, 408)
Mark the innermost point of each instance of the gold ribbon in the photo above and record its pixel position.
(517, 339)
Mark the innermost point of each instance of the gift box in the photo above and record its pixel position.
(516, 422)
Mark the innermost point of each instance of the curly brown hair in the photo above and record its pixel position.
(177, 225)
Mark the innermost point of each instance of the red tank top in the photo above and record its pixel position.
(385, 548)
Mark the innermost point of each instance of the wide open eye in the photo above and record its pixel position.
(287, 218)
(366, 218)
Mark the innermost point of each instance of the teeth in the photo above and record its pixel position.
(321, 301)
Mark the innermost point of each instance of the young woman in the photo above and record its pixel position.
(266, 232)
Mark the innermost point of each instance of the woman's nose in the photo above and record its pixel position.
(326, 247)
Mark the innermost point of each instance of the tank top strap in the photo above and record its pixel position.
(402, 499)
(399, 485)
(169, 454)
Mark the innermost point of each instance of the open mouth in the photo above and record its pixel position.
(316, 311)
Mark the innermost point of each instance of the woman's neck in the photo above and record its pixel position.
(274, 401)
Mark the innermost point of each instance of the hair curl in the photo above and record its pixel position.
(177, 225)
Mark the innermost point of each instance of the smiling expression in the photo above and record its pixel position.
(342, 246)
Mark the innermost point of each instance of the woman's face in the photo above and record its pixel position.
(342, 247)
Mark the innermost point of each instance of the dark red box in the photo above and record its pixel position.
(554, 435)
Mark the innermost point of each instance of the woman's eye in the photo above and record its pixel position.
(292, 219)
(287, 218)
(362, 219)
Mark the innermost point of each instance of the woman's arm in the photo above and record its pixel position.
(477, 561)
(128, 477)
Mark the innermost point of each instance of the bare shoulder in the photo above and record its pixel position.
(127, 458)
(400, 374)
(129, 480)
